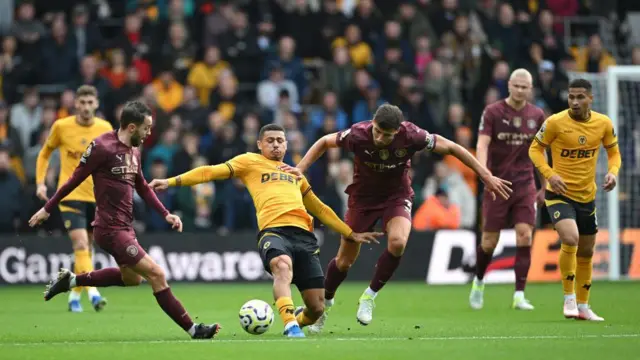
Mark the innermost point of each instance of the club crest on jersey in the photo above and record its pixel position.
(582, 140)
(384, 154)
(400, 153)
(517, 121)
(532, 123)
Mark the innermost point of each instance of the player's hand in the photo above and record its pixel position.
(365, 238)
(159, 184)
(41, 192)
(175, 222)
(610, 182)
(291, 170)
(540, 197)
(495, 185)
(557, 185)
(38, 218)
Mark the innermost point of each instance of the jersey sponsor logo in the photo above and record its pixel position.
(582, 139)
(515, 138)
(75, 154)
(379, 167)
(271, 177)
(578, 153)
(401, 153)
(129, 165)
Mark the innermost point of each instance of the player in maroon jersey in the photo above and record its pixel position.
(381, 190)
(113, 160)
(507, 128)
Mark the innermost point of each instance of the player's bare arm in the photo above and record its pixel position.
(482, 149)
(193, 177)
(313, 154)
(328, 217)
(493, 184)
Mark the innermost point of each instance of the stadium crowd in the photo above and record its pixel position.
(215, 71)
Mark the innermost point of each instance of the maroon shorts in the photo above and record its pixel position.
(504, 214)
(364, 219)
(122, 244)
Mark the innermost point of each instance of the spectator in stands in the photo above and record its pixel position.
(463, 137)
(359, 51)
(332, 23)
(26, 116)
(457, 189)
(9, 135)
(218, 22)
(424, 55)
(330, 107)
(226, 100)
(594, 58)
(155, 222)
(437, 213)
(133, 40)
(164, 151)
(440, 92)
(291, 64)
(270, 88)
(204, 76)
(168, 90)
(89, 76)
(552, 43)
(115, 72)
(414, 24)
(303, 25)
(194, 114)
(239, 45)
(364, 109)
(178, 51)
(338, 75)
(11, 191)
(368, 20)
(28, 30)
(86, 34)
(442, 19)
(553, 89)
(58, 55)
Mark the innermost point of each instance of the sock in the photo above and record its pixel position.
(370, 292)
(518, 294)
(75, 295)
(286, 310)
(521, 267)
(483, 259)
(328, 303)
(82, 264)
(92, 292)
(583, 306)
(333, 279)
(173, 308)
(303, 320)
(567, 263)
(584, 269)
(385, 267)
(100, 278)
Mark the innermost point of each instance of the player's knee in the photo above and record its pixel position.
(585, 252)
(281, 268)
(397, 244)
(489, 242)
(523, 238)
(344, 263)
(79, 243)
(157, 277)
(570, 239)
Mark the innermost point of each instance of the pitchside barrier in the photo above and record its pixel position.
(442, 257)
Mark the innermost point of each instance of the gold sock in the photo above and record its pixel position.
(286, 309)
(82, 265)
(584, 269)
(567, 263)
(303, 319)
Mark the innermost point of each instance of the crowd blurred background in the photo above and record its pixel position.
(215, 71)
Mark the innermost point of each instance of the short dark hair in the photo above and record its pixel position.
(87, 90)
(388, 117)
(269, 127)
(134, 112)
(580, 83)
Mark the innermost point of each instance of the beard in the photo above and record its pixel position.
(136, 140)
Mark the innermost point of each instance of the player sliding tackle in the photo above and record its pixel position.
(113, 160)
(287, 245)
(381, 189)
(574, 137)
(507, 128)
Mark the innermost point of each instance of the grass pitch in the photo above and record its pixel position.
(411, 321)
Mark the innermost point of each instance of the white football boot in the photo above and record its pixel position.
(476, 297)
(570, 308)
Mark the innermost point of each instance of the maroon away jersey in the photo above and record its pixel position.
(116, 170)
(381, 174)
(511, 134)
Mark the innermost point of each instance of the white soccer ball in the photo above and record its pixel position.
(256, 317)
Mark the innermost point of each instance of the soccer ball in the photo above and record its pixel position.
(256, 317)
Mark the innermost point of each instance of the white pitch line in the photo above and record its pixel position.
(328, 339)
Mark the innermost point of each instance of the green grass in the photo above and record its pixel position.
(412, 321)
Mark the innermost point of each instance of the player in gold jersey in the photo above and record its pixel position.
(72, 135)
(287, 245)
(575, 136)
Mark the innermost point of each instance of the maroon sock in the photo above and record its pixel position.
(173, 308)
(101, 278)
(521, 267)
(483, 260)
(385, 267)
(333, 279)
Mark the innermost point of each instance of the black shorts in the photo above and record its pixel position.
(77, 214)
(301, 246)
(560, 208)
